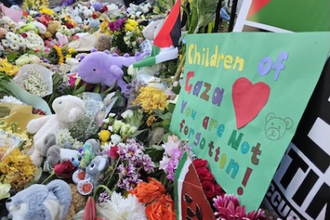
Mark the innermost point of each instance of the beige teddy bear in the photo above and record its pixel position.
(68, 109)
(52, 28)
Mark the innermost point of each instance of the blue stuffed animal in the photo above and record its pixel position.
(41, 202)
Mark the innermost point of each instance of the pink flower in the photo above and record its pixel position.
(228, 208)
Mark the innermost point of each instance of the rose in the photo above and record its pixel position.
(218, 190)
(64, 169)
(113, 154)
(148, 192)
(198, 163)
(209, 189)
(205, 174)
(159, 211)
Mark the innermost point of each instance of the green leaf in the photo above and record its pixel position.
(12, 56)
(80, 90)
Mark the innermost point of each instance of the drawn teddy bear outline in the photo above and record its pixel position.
(276, 127)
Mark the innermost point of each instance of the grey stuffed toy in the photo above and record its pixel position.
(96, 168)
(41, 202)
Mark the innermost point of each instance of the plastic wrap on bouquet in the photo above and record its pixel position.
(35, 79)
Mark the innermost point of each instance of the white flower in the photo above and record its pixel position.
(131, 70)
(124, 129)
(14, 46)
(21, 41)
(11, 99)
(10, 37)
(132, 130)
(127, 113)
(62, 136)
(5, 43)
(116, 126)
(115, 138)
(4, 190)
(120, 208)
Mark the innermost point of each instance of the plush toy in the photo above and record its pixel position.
(153, 28)
(62, 39)
(95, 169)
(68, 109)
(41, 202)
(52, 28)
(103, 42)
(78, 202)
(105, 68)
(92, 174)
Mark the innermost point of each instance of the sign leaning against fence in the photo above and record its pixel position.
(242, 97)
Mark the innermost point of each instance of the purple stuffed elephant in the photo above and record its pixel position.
(105, 68)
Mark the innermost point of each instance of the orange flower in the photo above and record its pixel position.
(159, 211)
(166, 200)
(148, 192)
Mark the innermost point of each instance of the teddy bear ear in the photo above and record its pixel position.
(93, 50)
(107, 52)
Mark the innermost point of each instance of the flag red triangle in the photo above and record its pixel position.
(256, 5)
(164, 38)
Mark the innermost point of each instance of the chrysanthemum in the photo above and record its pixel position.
(151, 98)
(121, 208)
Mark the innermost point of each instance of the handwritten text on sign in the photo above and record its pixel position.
(238, 104)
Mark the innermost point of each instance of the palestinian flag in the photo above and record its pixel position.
(165, 45)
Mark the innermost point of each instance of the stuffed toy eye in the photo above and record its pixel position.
(94, 70)
(92, 166)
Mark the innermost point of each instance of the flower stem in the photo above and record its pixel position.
(52, 174)
(179, 68)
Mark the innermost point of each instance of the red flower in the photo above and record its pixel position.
(198, 163)
(205, 174)
(64, 169)
(94, 16)
(113, 154)
(218, 190)
(104, 9)
(209, 189)
(24, 35)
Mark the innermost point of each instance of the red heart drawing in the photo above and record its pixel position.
(248, 100)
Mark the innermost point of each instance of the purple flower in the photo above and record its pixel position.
(104, 196)
(129, 183)
(148, 164)
(117, 24)
(129, 170)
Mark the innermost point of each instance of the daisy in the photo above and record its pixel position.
(14, 46)
(5, 43)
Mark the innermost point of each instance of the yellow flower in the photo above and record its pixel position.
(17, 169)
(8, 68)
(71, 50)
(104, 135)
(46, 11)
(131, 25)
(151, 119)
(151, 98)
(59, 54)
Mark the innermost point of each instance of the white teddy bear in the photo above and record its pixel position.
(68, 109)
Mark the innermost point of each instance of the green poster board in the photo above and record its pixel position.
(241, 100)
(283, 15)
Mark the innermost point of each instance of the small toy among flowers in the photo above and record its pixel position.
(101, 148)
